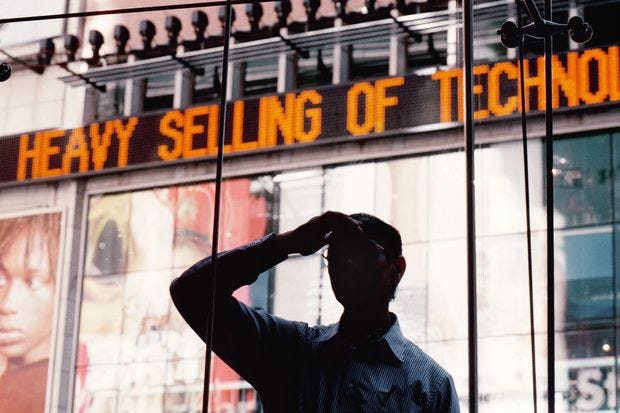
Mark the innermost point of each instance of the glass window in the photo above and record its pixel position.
(261, 76)
(500, 188)
(158, 93)
(614, 174)
(446, 290)
(300, 196)
(370, 59)
(316, 70)
(503, 293)
(427, 51)
(509, 388)
(351, 188)
(111, 103)
(297, 292)
(446, 195)
(411, 301)
(208, 87)
(408, 195)
(587, 256)
(587, 371)
(582, 188)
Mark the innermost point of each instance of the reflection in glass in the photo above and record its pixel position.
(582, 180)
(158, 92)
(260, 76)
(589, 283)
(587, 376)
(297, 289)
(111, 103)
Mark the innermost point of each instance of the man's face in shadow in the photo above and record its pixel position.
(360, 272)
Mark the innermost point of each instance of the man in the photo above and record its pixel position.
(361, 364)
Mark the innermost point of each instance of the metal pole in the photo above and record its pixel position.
(528, 220)
(468, 44)
(216, 212)
(550, 225)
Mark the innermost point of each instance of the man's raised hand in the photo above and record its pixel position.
(311, 236)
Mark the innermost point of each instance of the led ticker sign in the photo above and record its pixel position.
(343, 112)
(587, 78)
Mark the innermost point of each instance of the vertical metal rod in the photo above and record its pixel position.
(216, 212)
(528, 220)
(614, 264)
(550, 224)
(468, 44)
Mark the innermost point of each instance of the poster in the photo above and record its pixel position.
(135, 353)
(29, 250)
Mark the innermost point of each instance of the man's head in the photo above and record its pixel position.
(365, 269)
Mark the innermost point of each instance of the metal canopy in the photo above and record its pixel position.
(486, 15)
(422, 23)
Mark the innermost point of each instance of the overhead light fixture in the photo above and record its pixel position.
(173, 28)
(95, 38)
(200, 21)
(147, 32)
(47, 48)
(121, 37)
(72, 44)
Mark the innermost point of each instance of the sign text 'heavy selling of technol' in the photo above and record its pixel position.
(362, 109)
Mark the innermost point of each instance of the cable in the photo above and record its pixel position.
(527, 206)
(167, 7)
(216, 212)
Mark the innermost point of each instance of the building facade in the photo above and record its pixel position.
(347, 106)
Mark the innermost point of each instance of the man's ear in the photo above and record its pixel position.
(399, 265)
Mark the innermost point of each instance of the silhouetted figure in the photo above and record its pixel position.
(361, 364)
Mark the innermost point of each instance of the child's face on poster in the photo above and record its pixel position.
(26, 298)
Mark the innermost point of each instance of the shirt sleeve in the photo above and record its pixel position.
(246, 339)
(447, 400)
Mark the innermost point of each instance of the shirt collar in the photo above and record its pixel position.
(394, 338)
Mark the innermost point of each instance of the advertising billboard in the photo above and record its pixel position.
(29, 249)
(135, 352)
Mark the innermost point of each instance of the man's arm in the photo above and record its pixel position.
(238, 267)
(447, 400)
(241, 335)
(246, 339)
(243, 265)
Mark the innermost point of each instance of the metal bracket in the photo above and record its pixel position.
(37, 69)
(415, 36)
(510, 34)
(303, 53)
(198, 71)
(100, 88)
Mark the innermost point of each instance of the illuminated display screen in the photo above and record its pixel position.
(341, 112)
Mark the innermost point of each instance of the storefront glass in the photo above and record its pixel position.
(125, 348)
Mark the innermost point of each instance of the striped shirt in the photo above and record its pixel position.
(298, 368)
